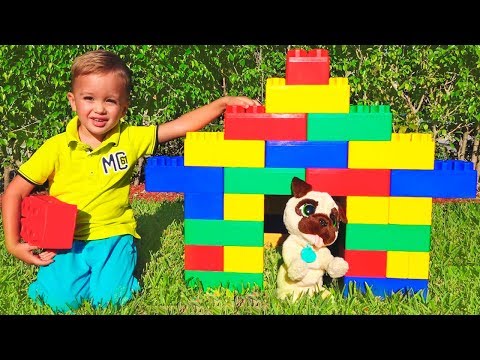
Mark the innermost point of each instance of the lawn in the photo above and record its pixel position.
(454, 286)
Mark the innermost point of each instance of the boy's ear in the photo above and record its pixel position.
(71, 100)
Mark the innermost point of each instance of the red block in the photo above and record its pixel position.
(200, 257)
(312, 68)
(350, 182)
(48, 222)
(366, 263)
(254, 124)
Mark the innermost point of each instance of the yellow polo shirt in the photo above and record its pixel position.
(97, 181)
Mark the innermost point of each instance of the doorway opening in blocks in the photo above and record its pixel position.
(275, 232)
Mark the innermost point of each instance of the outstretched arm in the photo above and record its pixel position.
(199, 118)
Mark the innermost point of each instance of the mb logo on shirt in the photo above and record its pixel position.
(116, 161)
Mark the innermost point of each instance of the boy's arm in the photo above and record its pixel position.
(16, 191)
(199, 118)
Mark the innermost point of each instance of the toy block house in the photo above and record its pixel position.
(236, 183)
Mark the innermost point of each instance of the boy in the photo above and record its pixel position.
(91, 165)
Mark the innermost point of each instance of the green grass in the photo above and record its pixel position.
(453, 283)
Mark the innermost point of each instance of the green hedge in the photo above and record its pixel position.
(429, 88)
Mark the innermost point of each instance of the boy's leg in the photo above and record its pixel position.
(112, 262)
(64, 283)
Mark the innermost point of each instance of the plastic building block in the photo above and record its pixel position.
(364, 123)
(223, 232)
(366, 263)
(448, 179)
(273, 240)
(203, 206)
(407, 264)
(211, 149)
(165, 173)
(387, 237)
(410, 211)
(367, 210)
(306, 154)
(307, 68)
(254, 124)
(245, 259)
(268, 181)
(244, 207)
(229, 280)
(353, 182)
(208, 258)
(331, 98)
(386, 287)
(404, 151)
(47, 222)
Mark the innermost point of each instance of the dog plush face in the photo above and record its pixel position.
(312, 215)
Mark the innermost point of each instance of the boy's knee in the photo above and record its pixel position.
(116, 297)
(58, 302)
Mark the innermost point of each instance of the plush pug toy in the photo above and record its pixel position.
(312, 220)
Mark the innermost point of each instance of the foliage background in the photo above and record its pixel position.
(430, 88)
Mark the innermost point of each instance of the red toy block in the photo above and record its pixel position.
(366, 263)
(200, 257)
(312, 68)
(350, 182)
(254, 124)
(48, 222)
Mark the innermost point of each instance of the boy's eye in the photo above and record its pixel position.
(111, 101)
(88, 98)
(307, 210)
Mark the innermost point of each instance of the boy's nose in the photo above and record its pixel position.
(99, 108)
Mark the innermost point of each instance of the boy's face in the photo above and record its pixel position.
(100, 101)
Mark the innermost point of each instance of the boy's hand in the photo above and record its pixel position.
(25, 252)
(241, 101)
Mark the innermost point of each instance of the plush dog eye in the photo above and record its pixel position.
(334, 220)
(307, 210)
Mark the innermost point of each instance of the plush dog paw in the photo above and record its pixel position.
(338, 267)
(297, 270)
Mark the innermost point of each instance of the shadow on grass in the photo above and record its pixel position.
(151, 227)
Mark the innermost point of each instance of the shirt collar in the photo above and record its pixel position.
(113, 136)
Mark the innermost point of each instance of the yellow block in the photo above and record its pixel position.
(404, 151)
(397, 264)
(418, 265)
(367, 209)
(243, 207)
(211, 149)
(246, 259)
(331, 98)
(273, 240)
(407, 264)
(410, 211)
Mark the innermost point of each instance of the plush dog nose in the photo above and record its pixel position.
(323, 222)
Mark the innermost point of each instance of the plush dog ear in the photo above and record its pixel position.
(300, 188)
(342, 215)
(342, 205)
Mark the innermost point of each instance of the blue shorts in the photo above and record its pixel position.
(100, 271)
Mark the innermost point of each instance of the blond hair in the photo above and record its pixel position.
(101, 62)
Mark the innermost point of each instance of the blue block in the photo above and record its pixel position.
(168, 174)
(448, 179)
(384, 287)
(306, 154)
(203, 206)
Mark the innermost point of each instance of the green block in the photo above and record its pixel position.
(361, 123)
(223, 232)
(215, 279)
(387, 237)
(268, 181)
